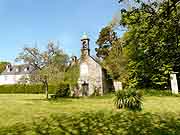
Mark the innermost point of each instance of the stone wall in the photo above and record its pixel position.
(95, 76)
(91, 72)
(117, 85)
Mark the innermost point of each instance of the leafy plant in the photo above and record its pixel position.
(63, 90)
(129, 99)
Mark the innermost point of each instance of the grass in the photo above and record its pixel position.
(23, 108)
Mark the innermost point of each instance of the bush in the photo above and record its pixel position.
(25, 89)
(128, 99)
(63, 90)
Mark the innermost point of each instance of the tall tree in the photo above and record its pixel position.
(116, 61)
(105, 41)
(46, 64)
(152, 41)
(110, 51)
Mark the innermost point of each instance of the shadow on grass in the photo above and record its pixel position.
(36, 100)
(92, 123)
(106, 96)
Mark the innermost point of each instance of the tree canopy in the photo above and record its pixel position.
(49, 65)
(150, 44)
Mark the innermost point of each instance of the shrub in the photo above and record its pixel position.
(63, 90)
(129, 99)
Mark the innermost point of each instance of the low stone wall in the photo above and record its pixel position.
(117, 85)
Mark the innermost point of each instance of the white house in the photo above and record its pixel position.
(13, 74)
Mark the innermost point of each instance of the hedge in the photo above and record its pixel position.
(153, 92)
(26, 89)
(99, 123)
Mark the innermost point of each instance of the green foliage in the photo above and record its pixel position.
(114, 57)
(63, 90)
(3, 66)
(115, 63)
(153, 92)
(149, 49)
(129, 99)
(92, 123)
(152, 39)
(105, 41)
(26, 89)
(48, 65)
(72, 75)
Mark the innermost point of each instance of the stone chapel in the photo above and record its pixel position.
(92, 76)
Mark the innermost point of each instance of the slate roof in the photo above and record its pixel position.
(18, 70)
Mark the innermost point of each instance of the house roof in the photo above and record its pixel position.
(17, 70)
(95, 60)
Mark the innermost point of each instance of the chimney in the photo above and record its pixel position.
(9, 68)
(73, 60)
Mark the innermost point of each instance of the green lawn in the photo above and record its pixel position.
(24, 108)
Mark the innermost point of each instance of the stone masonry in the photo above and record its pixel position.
(92, 76)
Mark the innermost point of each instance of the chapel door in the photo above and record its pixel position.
(85, 89)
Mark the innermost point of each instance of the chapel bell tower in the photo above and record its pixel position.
(85, 51)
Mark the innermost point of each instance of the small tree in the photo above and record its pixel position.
(45, 64)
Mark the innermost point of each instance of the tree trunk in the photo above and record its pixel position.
(45, 83)
(46, 89)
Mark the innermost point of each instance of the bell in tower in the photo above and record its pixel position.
(85, 45)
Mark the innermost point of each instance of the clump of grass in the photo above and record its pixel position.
(129, 99)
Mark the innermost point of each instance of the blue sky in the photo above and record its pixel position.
(26, 22)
